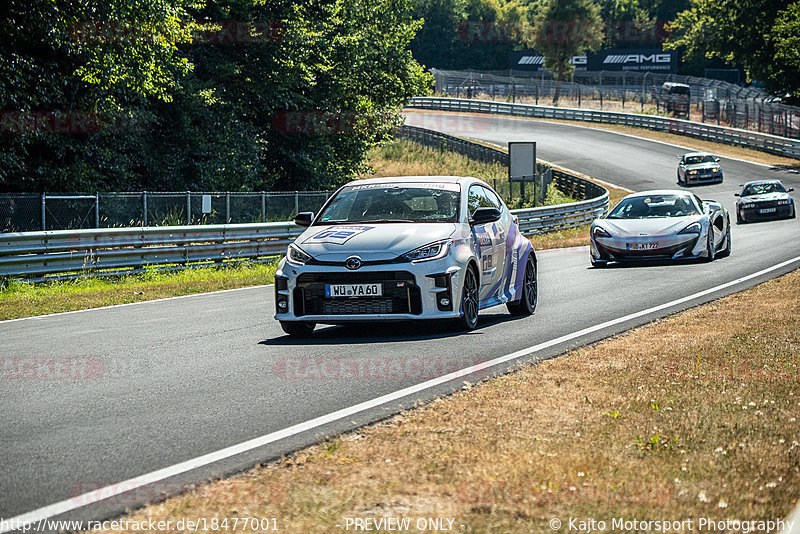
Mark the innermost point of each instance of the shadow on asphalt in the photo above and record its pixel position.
(633, 264)
(388, 332)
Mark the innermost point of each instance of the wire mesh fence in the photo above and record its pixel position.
(710, 101)
(25, 212)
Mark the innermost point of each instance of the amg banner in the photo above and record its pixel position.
(652, 60)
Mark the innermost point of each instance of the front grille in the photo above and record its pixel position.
(357, 306)
(400, 294)
(661, 253)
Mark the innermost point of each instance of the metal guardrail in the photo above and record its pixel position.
(100, 251)
(768, 143)
(469, 149)
(68, 251)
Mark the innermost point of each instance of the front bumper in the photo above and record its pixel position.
(757, 214)
(421, 290)
(686, 246)
(703, 178)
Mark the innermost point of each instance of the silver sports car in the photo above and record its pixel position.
(662, 224)
(388, 249)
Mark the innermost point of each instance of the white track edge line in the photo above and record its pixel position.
(128, 485)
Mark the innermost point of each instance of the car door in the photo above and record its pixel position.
(490, 241)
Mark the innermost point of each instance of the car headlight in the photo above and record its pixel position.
(431, 251)
(601, 232)
(694, 228)
(782, 202)
(691, 172)
(297, 256)
(749, 205)
(715, 169)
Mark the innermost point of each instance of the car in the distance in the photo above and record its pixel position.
(660, 225)
(761, 200)
(407, 248)
(699, 168)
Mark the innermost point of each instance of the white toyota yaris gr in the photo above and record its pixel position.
(408, 248)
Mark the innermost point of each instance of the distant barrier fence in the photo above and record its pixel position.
(528, 82)
(110, 251)
(713, 101)
(768, 143)
(25, 212)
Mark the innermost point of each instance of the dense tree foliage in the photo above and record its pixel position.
(762, 36)
(180, 94)
(559, 42)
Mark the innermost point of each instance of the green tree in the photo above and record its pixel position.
(193, 94)
(565, 28)
(761, 36)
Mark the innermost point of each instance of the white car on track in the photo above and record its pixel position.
(661, 224)
(404, 248)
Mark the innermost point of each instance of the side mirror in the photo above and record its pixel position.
(716, 158)
(737, 195)
(485, 216)
(304, 218)
(790, 189)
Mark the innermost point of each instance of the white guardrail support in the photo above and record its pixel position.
(73, 253)
(782, 146)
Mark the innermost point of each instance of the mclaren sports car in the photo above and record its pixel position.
(661, 225)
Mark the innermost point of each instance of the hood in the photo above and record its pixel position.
(371, 242)
(766, 197)
(648, 227)
(701, 166)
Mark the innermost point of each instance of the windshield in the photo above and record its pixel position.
(654, 206)
(694, 160)
(760, 189)
(401, 202)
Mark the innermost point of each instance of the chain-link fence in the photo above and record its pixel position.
(25, 212)
(710, 101)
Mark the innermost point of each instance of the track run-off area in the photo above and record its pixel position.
(162, 394)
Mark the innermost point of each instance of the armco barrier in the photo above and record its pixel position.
(73, 253)
(773, 144)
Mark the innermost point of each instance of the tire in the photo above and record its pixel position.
(598, 264)
(710, 246)
(794, 213)
(469, 301)
(679, 179)
(530, 293)
(739, 219)
(298, 328)
(727, 250)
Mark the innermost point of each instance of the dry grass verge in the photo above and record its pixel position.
(694, 416)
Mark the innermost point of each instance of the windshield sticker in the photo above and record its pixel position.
(338, 235)
(406, 185)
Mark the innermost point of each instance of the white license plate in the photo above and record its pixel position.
(641, 246)
(353, 290)
(768, 210)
